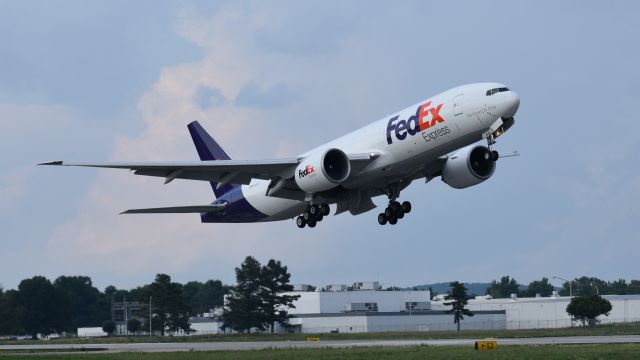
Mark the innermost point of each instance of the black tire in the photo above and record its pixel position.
(393, 220)
(494, 155)
(400, 214)
(396, 207)
(406, 207)
(306, 215)
(300, 222)
(311, 223)
(388, 212)
(319, 218)
(325, 209)
(314, 210)
(382, 219)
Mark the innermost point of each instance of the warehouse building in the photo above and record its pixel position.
(365, 308)
(549, 312)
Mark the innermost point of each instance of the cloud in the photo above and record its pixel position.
(207, 97)
(96, 238)
(13, 187)
(273, 96)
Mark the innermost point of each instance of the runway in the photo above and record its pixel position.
(259, 345)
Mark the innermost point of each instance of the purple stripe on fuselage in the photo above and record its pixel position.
(238, 209)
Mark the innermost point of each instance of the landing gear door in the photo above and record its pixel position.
(457, 105)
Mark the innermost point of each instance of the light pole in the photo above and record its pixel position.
(150, 332)
(570, 289)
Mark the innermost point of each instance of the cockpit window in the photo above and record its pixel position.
(496, 90)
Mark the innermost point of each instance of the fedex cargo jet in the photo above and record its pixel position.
(435, 137)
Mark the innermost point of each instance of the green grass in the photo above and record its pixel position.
(617, 329)
(614, 351)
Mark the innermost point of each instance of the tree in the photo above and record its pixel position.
(203, 297)
(84, 304)
(633, 287)
(587, 308)
(10, 313)
(43, 307)
(257, 299)
(504, 288)
(133, 326)
(275, 278)
(109, 327)
(618, 287)
(542, 287)
(458, 300)
(169, 304)
(243, 309)
(585, 285)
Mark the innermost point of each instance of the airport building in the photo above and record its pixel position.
(363, 307)
(548, 312)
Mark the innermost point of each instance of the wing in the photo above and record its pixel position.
(179, 209)
(220, 171)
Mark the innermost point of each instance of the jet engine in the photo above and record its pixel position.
(323, 171)
(469, 166)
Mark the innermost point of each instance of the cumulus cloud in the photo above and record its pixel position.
(97, 237)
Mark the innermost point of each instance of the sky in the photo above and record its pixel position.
(119, 81)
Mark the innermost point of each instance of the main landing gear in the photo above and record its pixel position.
(312, 215)
(393, 212)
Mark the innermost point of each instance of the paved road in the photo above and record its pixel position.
(257, 345)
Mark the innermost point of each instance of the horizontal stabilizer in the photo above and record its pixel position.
(179, 209)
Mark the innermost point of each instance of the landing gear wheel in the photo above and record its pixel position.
(300, 222)
(393, 220)
(406, 207)
(319, 217)
(395, 206)
(400, 214)
(388, 212)
(314, 210)
(382, 219)
(325, 210)
(494, 155)
(306, 216)
(311, 223)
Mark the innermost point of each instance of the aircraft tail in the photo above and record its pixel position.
(208, 149)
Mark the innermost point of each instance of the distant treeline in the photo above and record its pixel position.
(506, 286)
(40, 306)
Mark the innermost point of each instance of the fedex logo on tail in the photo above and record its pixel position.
(425, 117)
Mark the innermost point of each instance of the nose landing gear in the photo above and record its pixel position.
(313, 215)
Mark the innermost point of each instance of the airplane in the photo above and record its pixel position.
(435, 137)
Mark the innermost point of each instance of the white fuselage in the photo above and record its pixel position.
(446, 122)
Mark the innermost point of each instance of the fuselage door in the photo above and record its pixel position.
(457, 105)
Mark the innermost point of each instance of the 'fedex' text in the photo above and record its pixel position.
(425, 117)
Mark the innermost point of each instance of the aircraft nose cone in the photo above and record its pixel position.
(511, 104)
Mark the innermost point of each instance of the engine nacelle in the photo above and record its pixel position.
(469, 166)
(323, 171)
